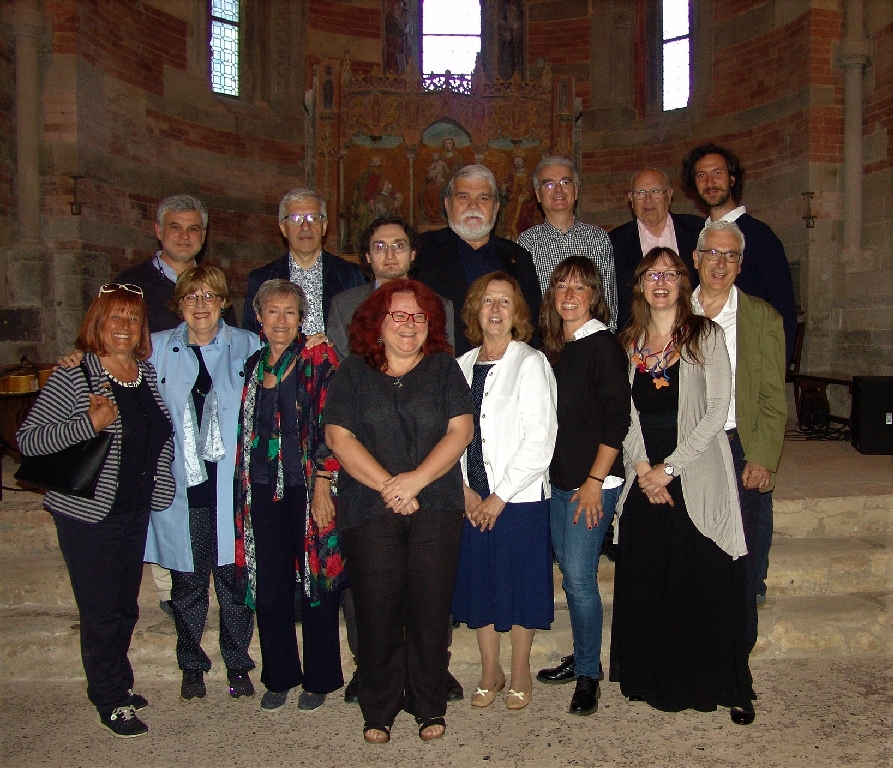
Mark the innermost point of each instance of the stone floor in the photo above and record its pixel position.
(811, 713)
(817, 712)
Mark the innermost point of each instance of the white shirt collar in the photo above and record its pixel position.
(731, 215)
(731, 304)
(588, 328)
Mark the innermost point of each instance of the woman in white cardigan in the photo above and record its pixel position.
(504, 583)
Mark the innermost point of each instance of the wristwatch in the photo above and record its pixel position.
(670, 469)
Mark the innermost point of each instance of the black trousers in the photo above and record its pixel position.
(402, 570)
(189, 600)
(105, 565)
(279, 542)
(750, 518)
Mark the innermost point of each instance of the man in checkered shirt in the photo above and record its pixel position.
(557, 185)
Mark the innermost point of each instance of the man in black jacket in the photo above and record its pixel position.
(181, 228)
(650, 195)
(452, 258)
(321, 275)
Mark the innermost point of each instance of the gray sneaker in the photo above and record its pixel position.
(272, 702)
(308, 702)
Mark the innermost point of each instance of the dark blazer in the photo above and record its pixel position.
(346, 303)
(158, 293)
(337, 275)
(766, 274)
(628, 254)
(438, 266)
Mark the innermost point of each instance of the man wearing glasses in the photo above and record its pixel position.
(650, 195)
(321, 275)
(557, 186)
(714, 174)
(758, 412)
(388, 247)
(181, 227)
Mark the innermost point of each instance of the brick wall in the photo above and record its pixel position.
(558, 32)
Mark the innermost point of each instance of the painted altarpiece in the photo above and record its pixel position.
(384, 142)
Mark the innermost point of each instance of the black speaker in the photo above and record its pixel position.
(872, 418)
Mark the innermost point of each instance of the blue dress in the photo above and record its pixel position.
(505, 573)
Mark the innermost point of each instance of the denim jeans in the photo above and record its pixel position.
(577, 549)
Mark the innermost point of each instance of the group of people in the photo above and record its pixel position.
(334, 453)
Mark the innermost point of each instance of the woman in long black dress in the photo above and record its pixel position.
(678, 639)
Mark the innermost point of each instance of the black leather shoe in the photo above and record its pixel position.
(352, 690)
(585, 698)
(563, 673)
(742, 715)
(454, 688)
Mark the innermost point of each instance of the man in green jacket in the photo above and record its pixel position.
(758, 411)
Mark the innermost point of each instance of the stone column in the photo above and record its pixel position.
(854, 53)
(26, 267)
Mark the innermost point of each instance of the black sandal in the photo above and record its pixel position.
(427, 722)
(385, 729)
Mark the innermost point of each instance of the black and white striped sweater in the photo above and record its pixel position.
(59, 419)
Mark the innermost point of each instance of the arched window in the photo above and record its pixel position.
(451, 38)
(225, 47)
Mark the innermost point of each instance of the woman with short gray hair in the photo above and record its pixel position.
(284, 507)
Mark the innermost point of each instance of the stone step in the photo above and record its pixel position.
(842, 565)
(42, 642)
(833, 516)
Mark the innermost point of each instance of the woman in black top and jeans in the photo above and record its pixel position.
(587, 470)
(102, 539)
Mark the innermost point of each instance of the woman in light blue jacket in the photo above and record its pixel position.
(200, 367)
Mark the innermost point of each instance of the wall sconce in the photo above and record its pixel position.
(810, 218)
(75, 204)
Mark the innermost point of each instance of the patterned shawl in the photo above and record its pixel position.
(323, 566)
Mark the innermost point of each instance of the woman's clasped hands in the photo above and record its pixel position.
(400, 491)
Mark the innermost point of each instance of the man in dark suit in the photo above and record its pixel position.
(714, 174)
(452, 258)
(322, 275)
(650, 195)
(389, 246)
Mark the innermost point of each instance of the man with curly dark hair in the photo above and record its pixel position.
(714, 176)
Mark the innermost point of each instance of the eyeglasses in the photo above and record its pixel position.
(670, 275)
(300, 218)
(563, 183)
(403, 317)
(713, 255)
(112, 287)
(642, 193)
(208, 297)
(380, 248)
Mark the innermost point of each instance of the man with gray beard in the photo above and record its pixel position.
(452, 258)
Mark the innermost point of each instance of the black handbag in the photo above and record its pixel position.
(73, 470)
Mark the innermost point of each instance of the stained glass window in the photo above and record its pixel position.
(225, 47)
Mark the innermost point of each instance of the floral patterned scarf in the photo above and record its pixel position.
(323, 566)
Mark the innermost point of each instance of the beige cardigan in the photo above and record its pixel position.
(702, 457)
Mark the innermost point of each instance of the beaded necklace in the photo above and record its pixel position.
(658, 369)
